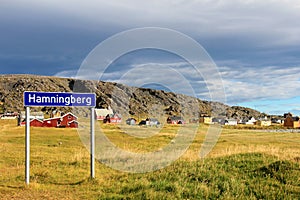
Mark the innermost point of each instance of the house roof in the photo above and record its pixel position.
(69, 113)
(37, 120)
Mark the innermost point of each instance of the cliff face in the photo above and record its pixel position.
(129, 101)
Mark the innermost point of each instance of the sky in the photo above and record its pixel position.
(254, 44)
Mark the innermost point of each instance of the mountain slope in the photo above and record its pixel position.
(130, 101)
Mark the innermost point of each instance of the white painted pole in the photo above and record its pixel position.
(27, 146)
(92, 138)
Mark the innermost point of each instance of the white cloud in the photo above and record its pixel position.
(83, 74)
(250, 84)
(66, 74)
(240, 84)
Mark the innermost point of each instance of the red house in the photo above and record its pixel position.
(73, 124)
(36, 123)
(113, 119)
(33, 122)
(52, 122)
(68, 120)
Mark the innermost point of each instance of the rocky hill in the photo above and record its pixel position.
(129, 101)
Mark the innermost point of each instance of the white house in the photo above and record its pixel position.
(102, 113)
(231, 122)
(251, 121)
(33, 115)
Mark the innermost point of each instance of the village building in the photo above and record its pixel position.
(277, 120)
(297, 124)
(290, 121)
(231, 122)
(36, 123)
(263, 122)
(206, 120)
(251, 121)
(113, 118)
(175, 120)
(39, 116)
(216, 120)
(131, 121)
(52, 122)
(150, 122)
(13, 115)
(101, 113)
(68, 120)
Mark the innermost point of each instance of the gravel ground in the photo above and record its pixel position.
(282, 130)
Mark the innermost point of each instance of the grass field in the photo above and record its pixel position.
(245, 164)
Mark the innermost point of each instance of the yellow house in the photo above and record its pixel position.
(206, 120)
(264, 123)
(296, 124)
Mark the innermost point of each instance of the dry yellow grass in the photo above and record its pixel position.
(60, 162)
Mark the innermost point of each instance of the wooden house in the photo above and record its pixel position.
(73, 124)
(36, 123)
(68, 120)
(33, 122)
(52, 122)
(290, 121)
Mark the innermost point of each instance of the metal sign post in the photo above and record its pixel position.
(27, 146)
(58, 99)
(92, 138)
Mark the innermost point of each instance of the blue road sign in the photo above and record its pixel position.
(59, 99)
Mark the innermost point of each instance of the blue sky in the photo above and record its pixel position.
(255, 44)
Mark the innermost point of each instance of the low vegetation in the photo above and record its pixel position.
(245, 164)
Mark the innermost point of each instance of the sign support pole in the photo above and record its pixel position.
(27, 146)
(58, 99)
(92, 140)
